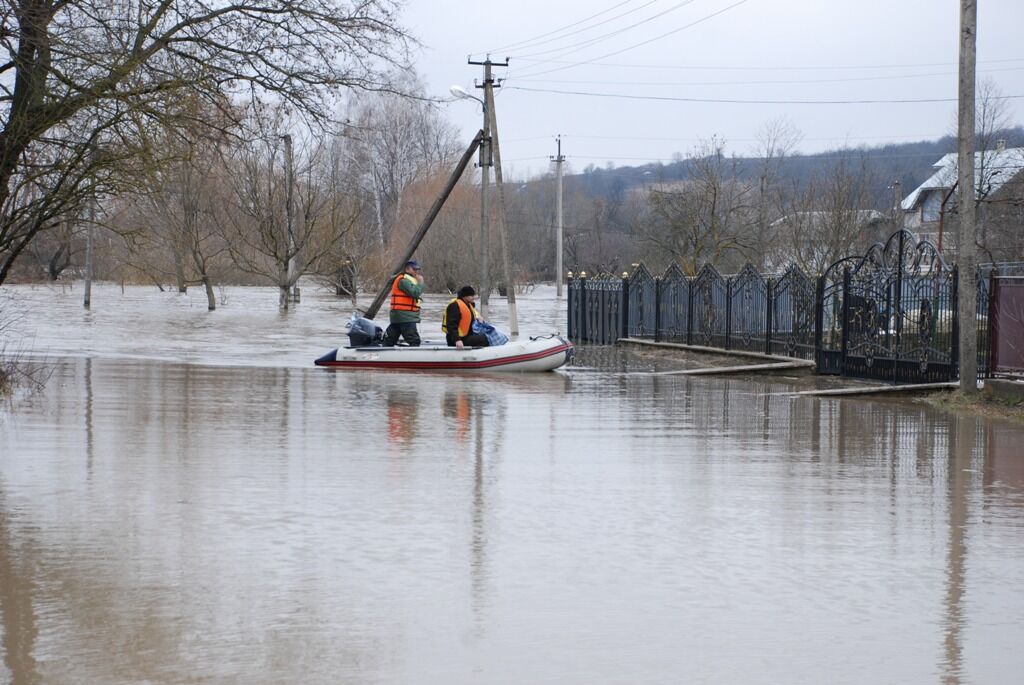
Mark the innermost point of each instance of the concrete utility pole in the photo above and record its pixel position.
(289, 172)
(967, 258)
(897, 196)
(558, 159)
(87, 302)
(506, 261)
(486, 160)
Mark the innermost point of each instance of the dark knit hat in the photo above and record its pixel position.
(466, 291)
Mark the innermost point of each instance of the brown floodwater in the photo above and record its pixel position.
(189, 501)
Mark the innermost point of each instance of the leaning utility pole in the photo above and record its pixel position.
(967, 289)
(489, 112)
(558, 232)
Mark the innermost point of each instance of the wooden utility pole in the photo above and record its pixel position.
(967, 252)
(506, 262)
(558, 159)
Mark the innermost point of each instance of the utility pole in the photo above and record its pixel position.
(506, 260)
(87, 302)
(967, 257)
(486, 160)
(289, 172)
(558, 159)
(896, 197)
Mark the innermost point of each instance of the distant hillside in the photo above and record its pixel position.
(910, 163)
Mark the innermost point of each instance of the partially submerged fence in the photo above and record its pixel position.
(890, 314)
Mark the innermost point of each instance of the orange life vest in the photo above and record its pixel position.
(466, 315)
(400, 300)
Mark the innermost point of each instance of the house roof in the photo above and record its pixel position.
(992, 170)
(861, 216)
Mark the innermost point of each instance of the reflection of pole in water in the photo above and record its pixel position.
(961, 450)
(88, 419)
(17, 615)
(478, 547)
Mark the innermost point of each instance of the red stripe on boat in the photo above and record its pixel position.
(450, 365)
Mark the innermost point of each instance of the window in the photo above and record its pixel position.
(931, 206)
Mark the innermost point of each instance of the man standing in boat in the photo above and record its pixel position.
(406, 290)
(458, 320)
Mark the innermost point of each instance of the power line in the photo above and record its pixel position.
(642, 43)
(532, 43)
(558, 30)
(915, 136)
(757, 82)
(667, 98)
(597, 39)
(693, 67)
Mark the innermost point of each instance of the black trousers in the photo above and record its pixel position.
(472, 340)
(407, 331)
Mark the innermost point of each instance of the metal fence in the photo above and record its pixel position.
(890, 314)
(748, 311)
(1004, 285)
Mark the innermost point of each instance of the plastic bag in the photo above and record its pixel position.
(493, 335)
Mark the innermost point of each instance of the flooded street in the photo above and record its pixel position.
(190, 501)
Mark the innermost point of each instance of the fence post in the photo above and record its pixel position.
(625, 307)
(689, 310)
(657, 310)
(992, 325)
(897, 312)
(770, 310)
(728, 313)
(583, 310)
(819, 322)
(845, 328)
(955, 353)
(570, 308)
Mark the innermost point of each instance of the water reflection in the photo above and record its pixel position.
(278, 525)
(18, 624)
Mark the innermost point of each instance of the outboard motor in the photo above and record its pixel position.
(363, 332)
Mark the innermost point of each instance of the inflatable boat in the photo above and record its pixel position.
(542, 353)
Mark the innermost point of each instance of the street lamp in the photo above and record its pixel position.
(485, 176)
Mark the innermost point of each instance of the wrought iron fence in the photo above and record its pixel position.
(890, 314)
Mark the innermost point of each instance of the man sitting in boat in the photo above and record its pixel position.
(458, 320)
(406, 290)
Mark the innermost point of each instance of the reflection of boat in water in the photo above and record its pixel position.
(544, 353)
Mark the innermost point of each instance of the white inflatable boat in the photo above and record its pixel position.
(543, 353)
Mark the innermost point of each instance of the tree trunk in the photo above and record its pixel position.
(179, 271)
(282, 283)
(211, 301)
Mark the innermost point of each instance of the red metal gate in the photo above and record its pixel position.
(1006, 319)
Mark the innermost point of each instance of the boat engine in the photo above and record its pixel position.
(363, 332)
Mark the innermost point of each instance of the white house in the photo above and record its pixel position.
(933, 201)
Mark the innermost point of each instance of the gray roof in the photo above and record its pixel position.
(999, 167)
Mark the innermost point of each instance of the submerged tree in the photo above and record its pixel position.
(83, 79)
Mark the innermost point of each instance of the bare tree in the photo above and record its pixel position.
(706, 219)
(829, 217)
(776, 141)
(83, 76)
(263, 239)
(395, 142)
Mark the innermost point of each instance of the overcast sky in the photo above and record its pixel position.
(762, 50)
